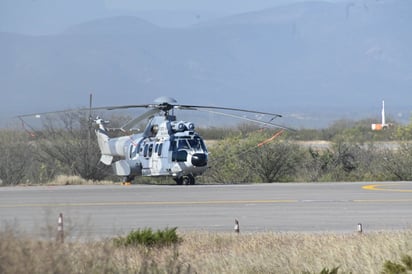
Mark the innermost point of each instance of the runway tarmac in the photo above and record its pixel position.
(109, 210)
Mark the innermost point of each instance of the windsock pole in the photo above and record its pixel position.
(277, 134)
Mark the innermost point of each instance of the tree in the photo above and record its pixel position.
(398, 163)
(15, 157)
(68, 143)
(275, 162)
(225, 164)
(240, 160)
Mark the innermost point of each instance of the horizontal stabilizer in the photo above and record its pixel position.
(106, 159)
(121, 168)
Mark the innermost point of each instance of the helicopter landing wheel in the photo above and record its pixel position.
(185, 180)
(127, 180)
(179, 180)
(189, 180)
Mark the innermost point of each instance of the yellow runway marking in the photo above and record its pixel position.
(151, 203)
(384, 201)
(383, 187)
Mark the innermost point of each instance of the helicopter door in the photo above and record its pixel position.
(145, 160)
(156, 161)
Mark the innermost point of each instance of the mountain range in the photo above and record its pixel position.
(313, 61)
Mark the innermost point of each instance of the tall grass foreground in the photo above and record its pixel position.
(206, 252)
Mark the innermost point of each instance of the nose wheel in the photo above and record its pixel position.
(185, 180)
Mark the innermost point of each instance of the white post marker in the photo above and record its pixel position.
(237, 228)
(60, 231)
(360, 230)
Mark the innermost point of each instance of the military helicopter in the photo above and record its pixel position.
(167, 146)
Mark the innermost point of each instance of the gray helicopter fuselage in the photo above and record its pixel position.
(165, 148)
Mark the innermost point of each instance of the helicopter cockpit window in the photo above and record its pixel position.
(183, 144)
(197, 144)
(189, 143)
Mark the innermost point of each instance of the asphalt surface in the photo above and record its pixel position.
(109, 210)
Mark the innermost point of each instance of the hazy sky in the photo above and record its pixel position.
(227, 6)
(371, 58)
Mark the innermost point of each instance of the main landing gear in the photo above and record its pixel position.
(185, 180)
(127, 180)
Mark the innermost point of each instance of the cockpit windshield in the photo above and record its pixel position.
(195, 143)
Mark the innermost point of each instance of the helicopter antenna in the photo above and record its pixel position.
(90, 121)
(90, 109)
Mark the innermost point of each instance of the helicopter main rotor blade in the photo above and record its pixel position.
(194, 107)
(89, 109)
(247, 119)
(122, 107)
(129, 125)
(39, 114)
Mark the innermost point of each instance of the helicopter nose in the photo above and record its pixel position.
(199, 159)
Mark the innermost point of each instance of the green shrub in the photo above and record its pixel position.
(396, 268)
(325, 271)
(332, 271)
(148, 238)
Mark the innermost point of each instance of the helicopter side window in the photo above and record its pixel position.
(133, 151)
(150, 150)
(159, 151)
(179, 156)
(146, 148)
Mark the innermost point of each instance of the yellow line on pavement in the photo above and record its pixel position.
(384, 201)
(384, 187)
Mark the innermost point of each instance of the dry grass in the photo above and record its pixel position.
(204, 252)
(296, 252)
